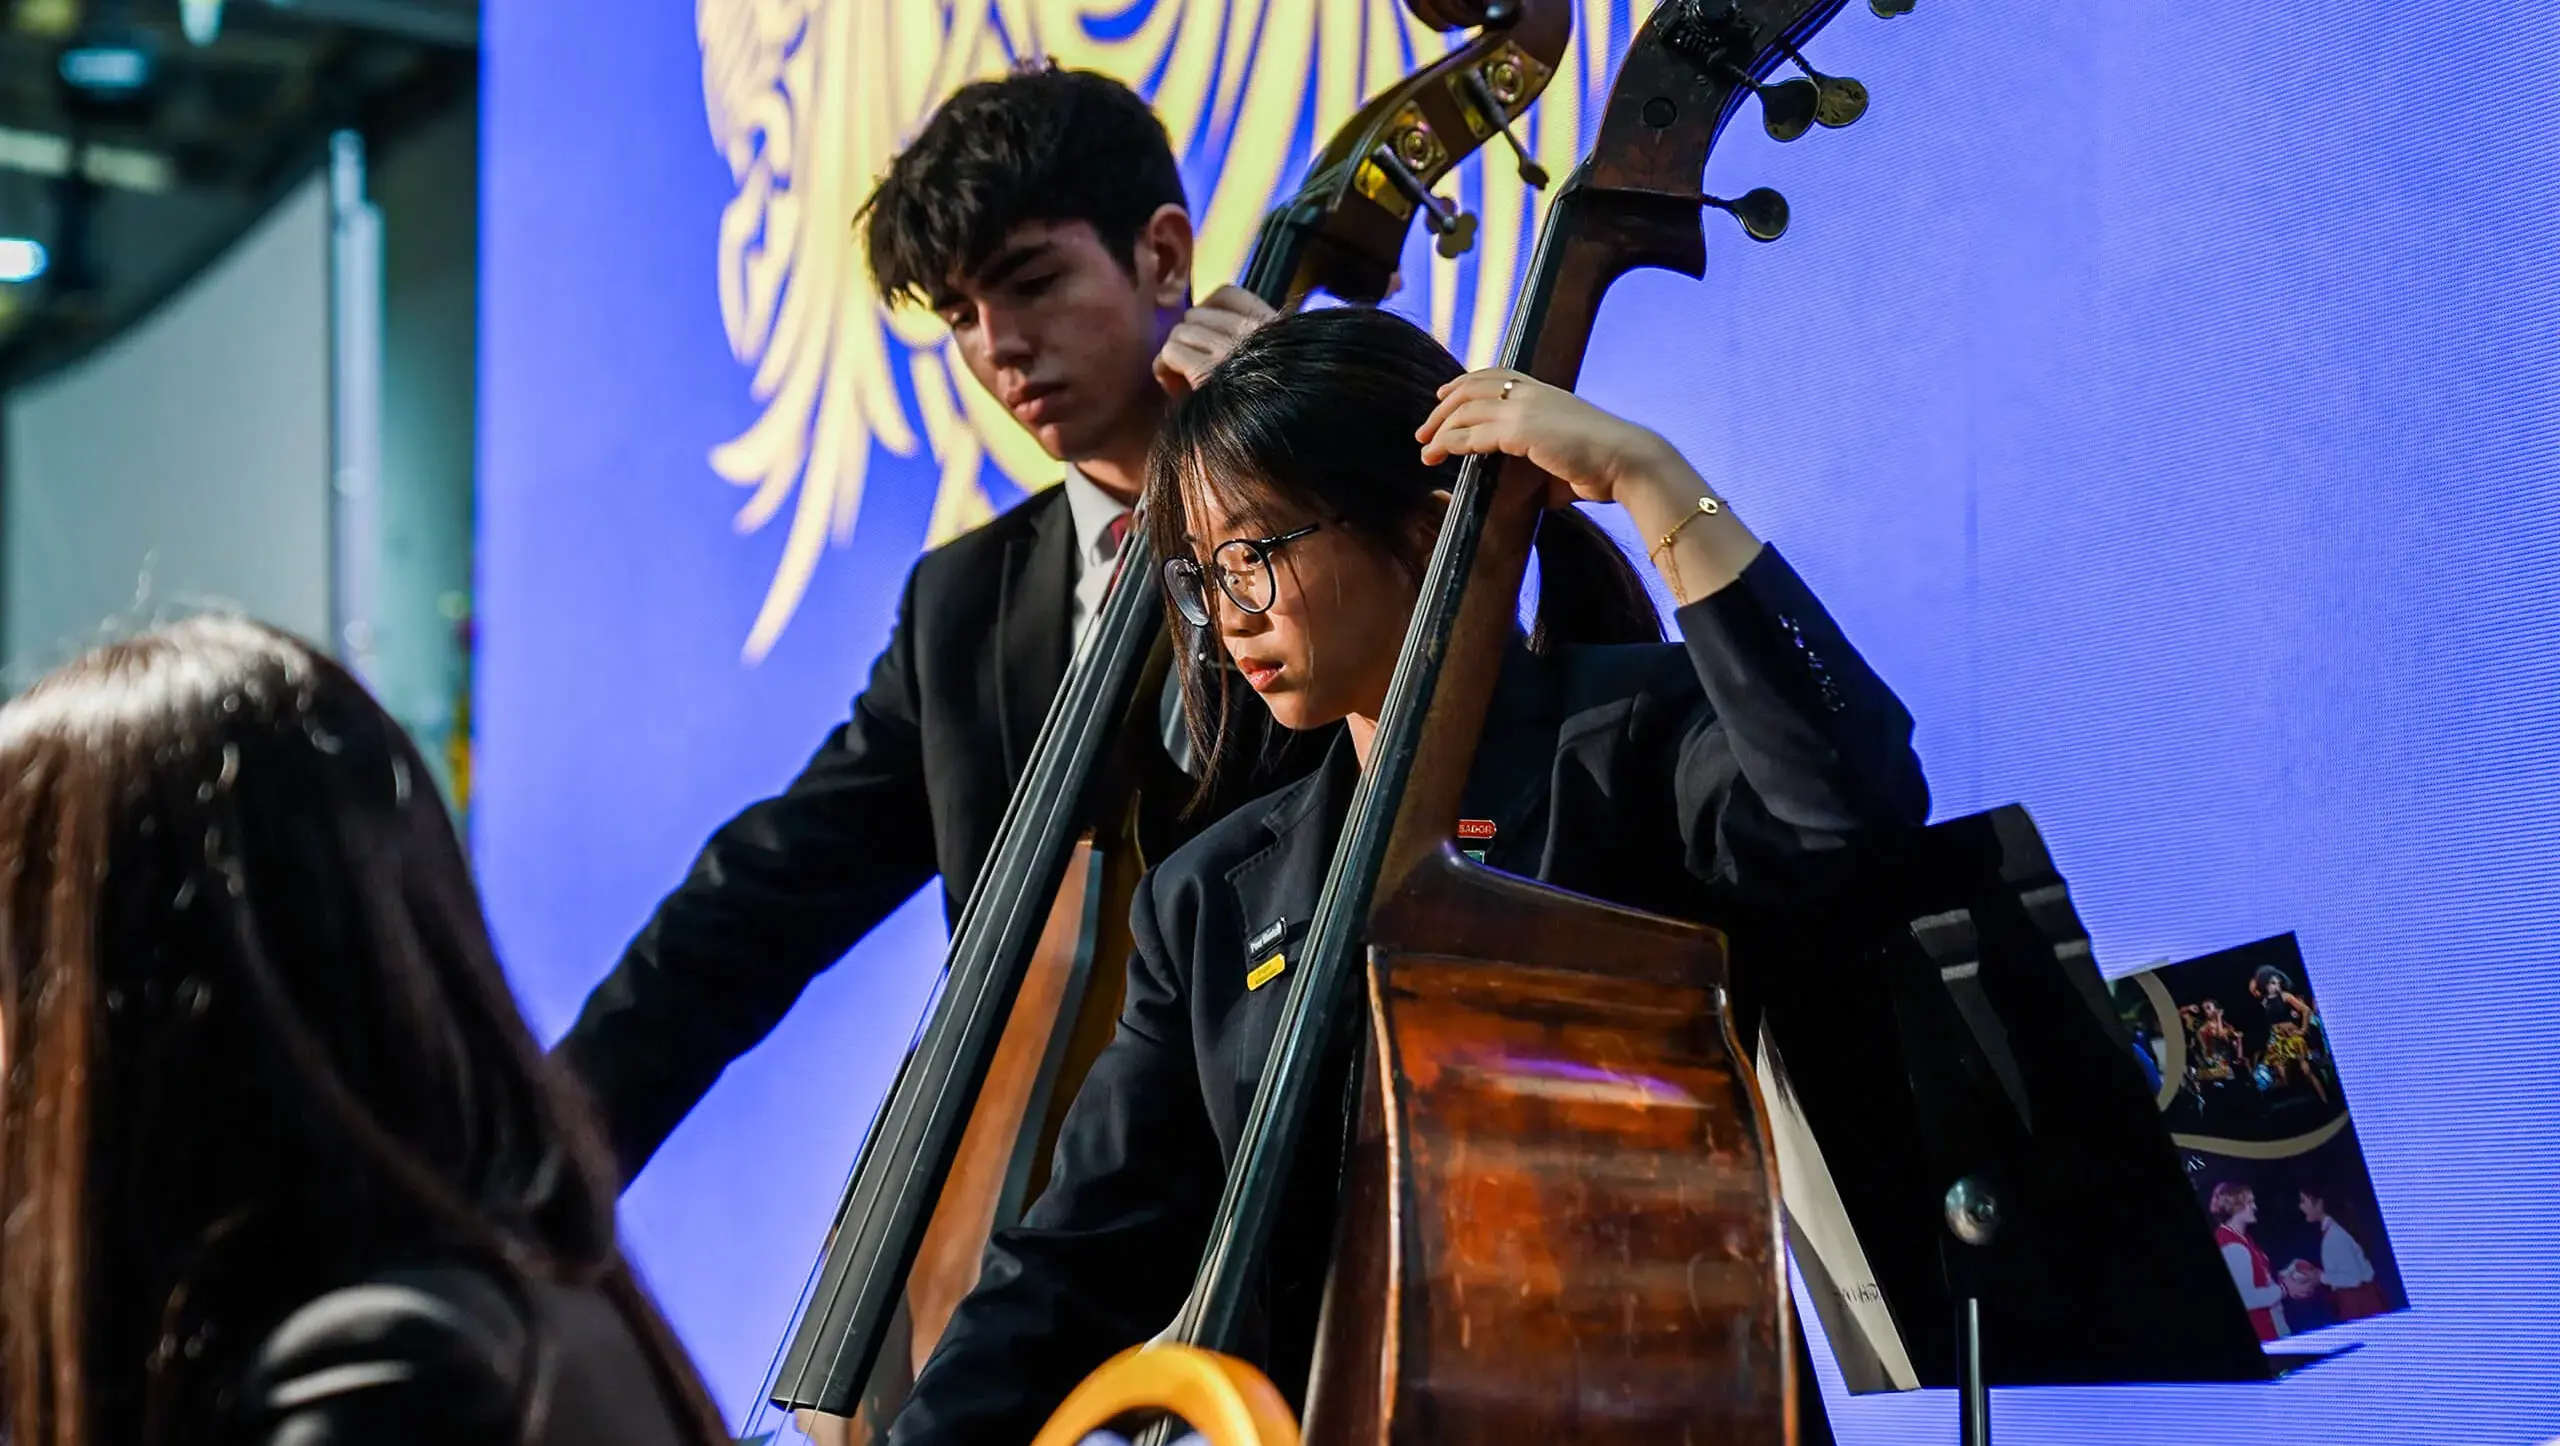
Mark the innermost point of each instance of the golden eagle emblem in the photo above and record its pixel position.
(809, 99)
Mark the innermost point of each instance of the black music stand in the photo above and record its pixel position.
(1952, 1059)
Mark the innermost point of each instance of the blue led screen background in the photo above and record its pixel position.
(2167, 401)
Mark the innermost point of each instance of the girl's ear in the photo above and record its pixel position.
(1423, 532)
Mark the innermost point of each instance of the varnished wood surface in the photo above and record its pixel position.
(1560, 1219)
(1060, 1020)
(985, 1184)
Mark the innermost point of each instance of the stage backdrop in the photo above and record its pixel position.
(2166, 399)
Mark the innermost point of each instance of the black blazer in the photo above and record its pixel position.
(440, 1355)
(914, 783)
(1706, 782)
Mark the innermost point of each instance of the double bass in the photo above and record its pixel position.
(1512, 1261)
(1031, 984)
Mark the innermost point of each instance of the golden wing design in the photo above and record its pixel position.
(808, 100)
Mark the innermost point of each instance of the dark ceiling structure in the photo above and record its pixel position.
(139, 138)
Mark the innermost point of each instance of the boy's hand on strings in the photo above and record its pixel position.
(1206, 334)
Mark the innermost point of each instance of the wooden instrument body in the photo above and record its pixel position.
(1063, 1016)
(1560, 1218)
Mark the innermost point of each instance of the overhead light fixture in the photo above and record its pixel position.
(49, 19)
(121, 167)
(201, 19)
(21, 259)
(126, 170)
(106, 70)
(110, 66)
(42, 153)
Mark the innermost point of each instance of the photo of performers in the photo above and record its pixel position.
(2215, 1054)
(2233, 1048)
(2302, 1236)
(2233, 1043)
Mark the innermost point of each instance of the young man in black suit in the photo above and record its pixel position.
(1042, 217)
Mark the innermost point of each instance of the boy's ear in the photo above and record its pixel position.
(1163, 260)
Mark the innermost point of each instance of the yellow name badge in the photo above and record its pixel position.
(1266, 971)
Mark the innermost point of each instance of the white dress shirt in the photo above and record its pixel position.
(2343, 1263)
(1092, 511)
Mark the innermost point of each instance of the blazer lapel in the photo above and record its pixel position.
(1276, 888)
(1275, 891)
(1278, 884)
(1031, 630)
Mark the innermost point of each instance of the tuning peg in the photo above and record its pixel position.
(1787, 109)
(1887, 9)
(1483, 95)
(1762, 212)
(1841, 101)
(1455, 228)
(1458, 236)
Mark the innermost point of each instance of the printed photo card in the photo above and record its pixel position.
(2246, 1075)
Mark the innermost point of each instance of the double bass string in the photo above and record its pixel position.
(961, 1016)
(844, 1191)
(1303, 1038)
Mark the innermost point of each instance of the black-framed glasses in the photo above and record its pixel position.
(1243, 567)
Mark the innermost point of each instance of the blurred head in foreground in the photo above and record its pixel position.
(256, 1042)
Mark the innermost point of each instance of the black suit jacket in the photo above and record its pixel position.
(914, 783)
(1710, 781)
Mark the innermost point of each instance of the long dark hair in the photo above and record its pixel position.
(258, 1045)
(1319, 409)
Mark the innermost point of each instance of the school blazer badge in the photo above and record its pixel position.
(807, 100)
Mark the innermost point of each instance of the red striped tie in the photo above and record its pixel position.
(1119, 532)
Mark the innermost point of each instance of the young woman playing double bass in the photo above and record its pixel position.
(1296, 494)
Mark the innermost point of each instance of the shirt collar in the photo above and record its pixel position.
(1092, 510)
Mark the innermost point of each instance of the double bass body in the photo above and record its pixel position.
(1560, 1219)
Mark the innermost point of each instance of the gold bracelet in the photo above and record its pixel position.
(1707, 507)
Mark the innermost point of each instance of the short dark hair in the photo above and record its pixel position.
(1041, 144)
